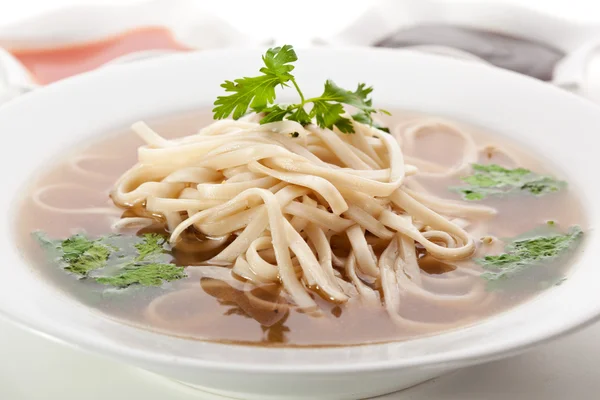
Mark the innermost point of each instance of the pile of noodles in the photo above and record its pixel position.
(311, 209)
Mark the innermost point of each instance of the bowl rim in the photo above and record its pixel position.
(500, 348)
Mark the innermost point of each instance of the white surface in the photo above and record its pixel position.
(32, 368)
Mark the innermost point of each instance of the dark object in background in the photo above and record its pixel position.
(509, 52)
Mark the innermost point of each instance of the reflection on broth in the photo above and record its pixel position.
(433, 266)
(211, 303)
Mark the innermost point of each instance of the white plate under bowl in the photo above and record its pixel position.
(40, 125)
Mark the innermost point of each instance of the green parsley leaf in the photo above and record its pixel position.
(358, 98)
(274, 113)
(330, 114)
(277, 62)
(259, 91)
(258, 94)
(153, 274)
(524, 253)
(300, 115)
(250, 92)
(494, 180)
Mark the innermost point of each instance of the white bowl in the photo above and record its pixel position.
(39, 126)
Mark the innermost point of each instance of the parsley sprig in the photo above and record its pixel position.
(257, 94)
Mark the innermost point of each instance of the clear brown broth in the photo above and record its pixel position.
(213, 310)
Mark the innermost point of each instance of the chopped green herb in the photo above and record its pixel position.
(74, 247)
(258, 95)
(494, 180)
(115, 260)
(151, 245)
(93, 258)
(77, 254)
(524, 253)
(153, 274)
(542, 185)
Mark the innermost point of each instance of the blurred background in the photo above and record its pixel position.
(555, 40)
(42, 41)
(296, 19)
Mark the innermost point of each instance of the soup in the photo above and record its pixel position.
(293, 225)
(205, 306)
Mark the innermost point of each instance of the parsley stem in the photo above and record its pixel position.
(299, 92)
